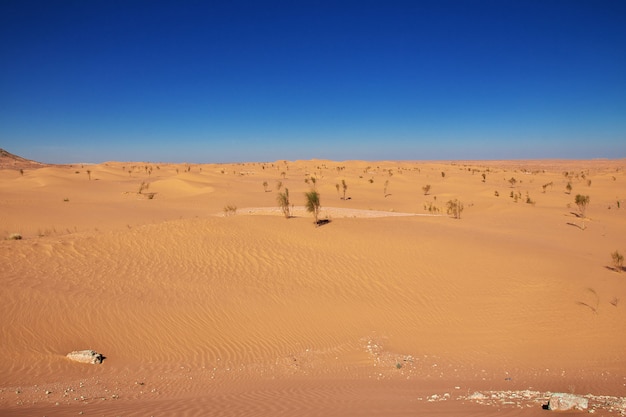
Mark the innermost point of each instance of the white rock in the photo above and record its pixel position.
(477, 396)
(564, 402)
(86, 356)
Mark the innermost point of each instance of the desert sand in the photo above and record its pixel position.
(392, 308)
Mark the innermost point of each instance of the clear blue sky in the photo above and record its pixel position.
(221, 81)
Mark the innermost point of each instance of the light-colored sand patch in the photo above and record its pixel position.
(327, 212)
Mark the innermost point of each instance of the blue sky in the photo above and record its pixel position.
(232, 81)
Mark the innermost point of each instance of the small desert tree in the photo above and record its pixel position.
(455, 207)
(582, 201)
(426, 189)
(283, 203)
(344, 187)
(313, 204)
(618, 261)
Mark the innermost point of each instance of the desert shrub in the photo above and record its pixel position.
(618, 261)
(283, 203)
(265, 186)
(371, 180)
(512, 181)
(568, 188)
(426, 189)
(230, 210)
(582, 201)
(344, 187)
(454, 208)
(431, 207)
(496, 193)
(313, 204)
(144, 186)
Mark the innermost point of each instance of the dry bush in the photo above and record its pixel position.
(618, 261)
(454, 208)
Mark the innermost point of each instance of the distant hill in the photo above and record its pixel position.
(10, 161)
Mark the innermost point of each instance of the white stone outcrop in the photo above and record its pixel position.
(564, 402)
(86, 356)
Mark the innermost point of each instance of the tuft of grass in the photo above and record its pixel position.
(618, 261)
(230, 210)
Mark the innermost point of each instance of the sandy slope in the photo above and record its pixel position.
(379, 312)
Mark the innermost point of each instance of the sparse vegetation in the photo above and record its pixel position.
(582, 201)
(431, 207)
(568, 188)
(283, 203)
(512, 181)
(426, 189)
(515, 195)
(144, 186)
(618, 261)
(230, 210)
(313, 205)
(454, 208)
(344, 187)
(265, 186)
(496, 193)
(385, 188)
(546, 185)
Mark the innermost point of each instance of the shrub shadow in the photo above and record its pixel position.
(322, 222)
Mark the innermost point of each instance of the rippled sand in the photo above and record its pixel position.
(382, 311)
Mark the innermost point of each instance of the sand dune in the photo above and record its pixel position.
(392, 302)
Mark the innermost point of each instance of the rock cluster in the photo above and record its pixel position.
(86, 356)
